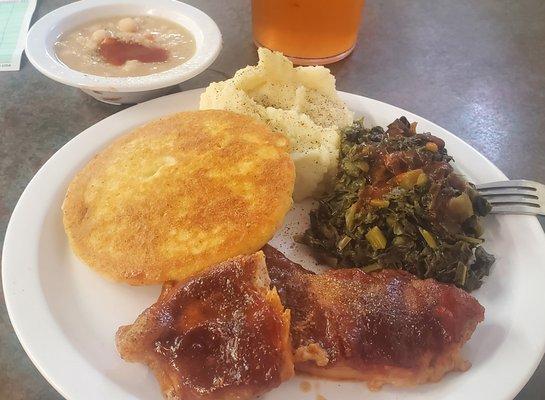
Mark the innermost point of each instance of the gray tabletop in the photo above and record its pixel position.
(477, 68)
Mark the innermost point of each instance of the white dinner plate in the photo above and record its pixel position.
(66, 316)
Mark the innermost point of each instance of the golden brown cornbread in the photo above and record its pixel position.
(179, 194)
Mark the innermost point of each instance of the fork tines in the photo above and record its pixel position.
(515, 197)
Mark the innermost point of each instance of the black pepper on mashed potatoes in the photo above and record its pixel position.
(300, 102)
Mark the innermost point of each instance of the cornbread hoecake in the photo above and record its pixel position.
(179, 194)
(300, 102)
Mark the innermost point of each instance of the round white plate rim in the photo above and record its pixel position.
(17, 275)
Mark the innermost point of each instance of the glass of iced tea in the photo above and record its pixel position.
(307, 31)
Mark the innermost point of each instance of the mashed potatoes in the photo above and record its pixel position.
(300, 102)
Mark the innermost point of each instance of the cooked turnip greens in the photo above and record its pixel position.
(397, 203)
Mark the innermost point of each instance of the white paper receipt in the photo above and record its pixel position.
(15, 18)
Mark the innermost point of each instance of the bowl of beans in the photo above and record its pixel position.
(124, 51)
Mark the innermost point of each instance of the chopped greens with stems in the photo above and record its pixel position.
(398, 203)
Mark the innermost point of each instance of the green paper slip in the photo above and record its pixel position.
(15, 18)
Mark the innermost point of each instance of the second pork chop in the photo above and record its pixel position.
(384, 327)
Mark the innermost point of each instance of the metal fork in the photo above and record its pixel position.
(518, 196)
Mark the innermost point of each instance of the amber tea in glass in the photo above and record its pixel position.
(307, 31)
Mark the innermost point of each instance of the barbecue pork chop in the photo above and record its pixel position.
(383, 327)
(221, 335)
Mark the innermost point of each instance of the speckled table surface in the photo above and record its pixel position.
(476, 68)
